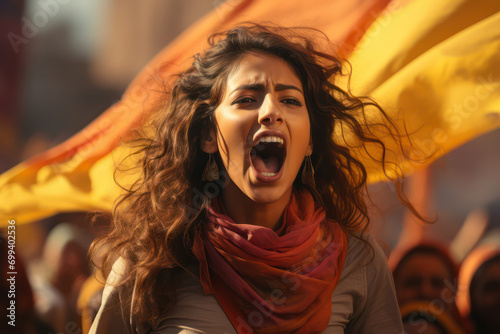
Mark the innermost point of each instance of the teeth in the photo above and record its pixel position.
(268, 174)
(271, 139)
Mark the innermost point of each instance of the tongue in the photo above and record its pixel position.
(266, 165)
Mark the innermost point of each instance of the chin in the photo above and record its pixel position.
(269, 194)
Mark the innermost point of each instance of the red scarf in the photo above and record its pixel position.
(273, 282)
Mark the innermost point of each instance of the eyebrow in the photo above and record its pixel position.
(260, 87)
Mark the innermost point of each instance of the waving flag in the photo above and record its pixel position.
(432, 64)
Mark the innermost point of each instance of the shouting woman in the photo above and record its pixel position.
(249, 213)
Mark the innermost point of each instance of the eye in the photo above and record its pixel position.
(412, 282)
(292, 101)
(244, 100)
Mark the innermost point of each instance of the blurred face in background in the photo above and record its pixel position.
(424, 276)
(485, 297)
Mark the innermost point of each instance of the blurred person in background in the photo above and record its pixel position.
(479, 294)
(65, 258)
(426, 273)
(25, 320)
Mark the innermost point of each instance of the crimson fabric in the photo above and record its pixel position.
(274, 281)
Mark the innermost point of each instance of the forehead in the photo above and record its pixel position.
(424, 265)
(490, 272)
(264, 69)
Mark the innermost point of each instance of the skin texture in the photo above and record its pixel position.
(274, 103)
(424, 277)
(485, 297)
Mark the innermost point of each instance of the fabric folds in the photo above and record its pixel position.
(274, 281)
(433, 66)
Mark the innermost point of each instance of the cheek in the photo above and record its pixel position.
(302, 131)
(233, 130)
(307, 130)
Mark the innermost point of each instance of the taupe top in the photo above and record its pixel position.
(363, 302)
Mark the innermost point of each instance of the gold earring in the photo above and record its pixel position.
(308, 173)
(211, 171)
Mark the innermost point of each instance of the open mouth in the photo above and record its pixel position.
(268, 155)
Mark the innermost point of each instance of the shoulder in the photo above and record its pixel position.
(114, 315)
(194, 311)
(365, 261)
(364, 254)
(365, 295)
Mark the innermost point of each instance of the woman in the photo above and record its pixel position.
(426, 272)
(249, 213)
(425, 278)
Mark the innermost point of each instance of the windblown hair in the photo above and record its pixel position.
(155, 222)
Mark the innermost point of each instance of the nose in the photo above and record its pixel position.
(270, 112)
(426, 290)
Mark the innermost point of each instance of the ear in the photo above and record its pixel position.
(209, 142)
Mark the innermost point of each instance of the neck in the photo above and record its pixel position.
(243, 210)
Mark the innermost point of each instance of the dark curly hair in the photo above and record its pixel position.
(155, 221)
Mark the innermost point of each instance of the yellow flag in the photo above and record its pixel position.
(431, 64)
(434, 65)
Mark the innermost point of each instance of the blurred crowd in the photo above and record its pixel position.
(58, 289)
(437, 294)
(53, 274)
